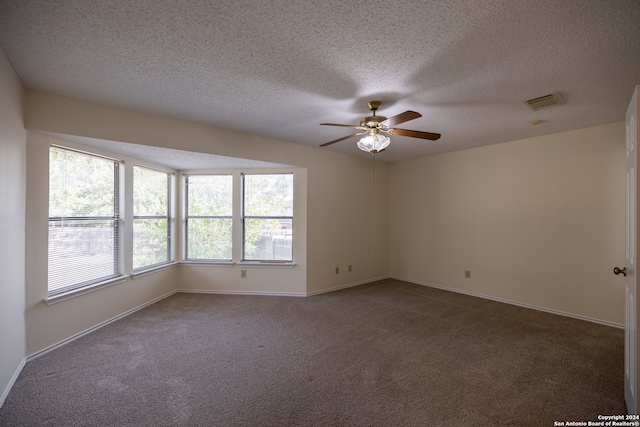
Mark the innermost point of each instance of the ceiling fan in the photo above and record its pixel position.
(375, 126)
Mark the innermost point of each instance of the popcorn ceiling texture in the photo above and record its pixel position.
(279, 68)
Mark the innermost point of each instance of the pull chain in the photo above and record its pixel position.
(373, 167)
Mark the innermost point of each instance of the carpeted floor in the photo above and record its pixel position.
(387, 353)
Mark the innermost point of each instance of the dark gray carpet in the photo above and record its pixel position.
(387, 353)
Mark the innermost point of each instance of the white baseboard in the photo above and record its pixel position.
(96, 327)
(520, 304)
(12, 381)
(348, 285)
(234, 292)
(281, 294)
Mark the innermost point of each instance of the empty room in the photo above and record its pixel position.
(248, 213)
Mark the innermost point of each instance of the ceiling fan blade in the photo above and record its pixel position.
(414, 134)
(339, 139)
(401, 118)
(345, 126)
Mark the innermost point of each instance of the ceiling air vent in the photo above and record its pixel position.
(545, 101)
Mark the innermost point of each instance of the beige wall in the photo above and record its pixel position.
(538, 222)
(12, 225)
(50, 324)
(346, 216)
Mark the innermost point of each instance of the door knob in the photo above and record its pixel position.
(617, 271)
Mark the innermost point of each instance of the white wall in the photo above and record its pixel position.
(538, 221)
(12, 212)
(346, 214)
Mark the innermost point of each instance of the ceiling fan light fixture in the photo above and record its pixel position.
(374, 143)
(373, 125)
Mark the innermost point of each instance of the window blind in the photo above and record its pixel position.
(84, 223)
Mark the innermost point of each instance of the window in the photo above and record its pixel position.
(84, 215)
(267, 219)
(151, 218)
(209, 217)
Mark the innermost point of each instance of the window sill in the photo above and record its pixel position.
(263, 264)
(152, 269)
(213, 263)
(267, 264)
(85, 290)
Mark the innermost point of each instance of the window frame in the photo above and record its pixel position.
(169, 218)
(244, 217)
(116, 219)
(187, 216)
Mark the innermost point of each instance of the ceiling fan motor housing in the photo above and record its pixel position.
(372, 121)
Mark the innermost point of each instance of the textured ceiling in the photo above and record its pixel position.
(279, 68)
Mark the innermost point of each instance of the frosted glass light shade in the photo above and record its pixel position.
(374, 143)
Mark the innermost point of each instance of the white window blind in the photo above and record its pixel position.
(151, 218)
(267, 219)
(83, 220)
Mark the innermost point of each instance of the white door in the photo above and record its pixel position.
(629, 270)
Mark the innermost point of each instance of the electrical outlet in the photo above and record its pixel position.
(243, 274)
(337, 270)
(349, 268)
(467, 274)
